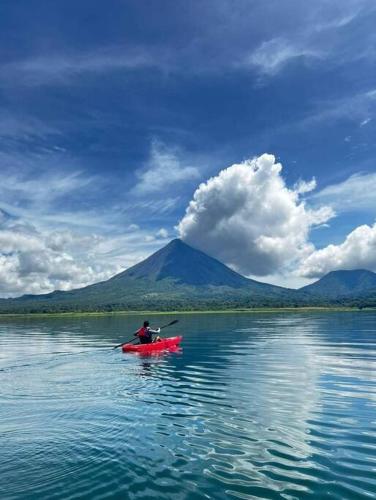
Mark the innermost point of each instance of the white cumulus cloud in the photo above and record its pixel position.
(32, 261)
(37, 260)
(358, 251)
(248, 218)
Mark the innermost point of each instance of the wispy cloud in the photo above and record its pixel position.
(271, 56)
(354, 107)
(36, 183)
(51, 189)
(164, 169)
(317, 38)
(23, 127)
(47, 188)
(354, 194)
(338, 22)
(364, 122)
(44, 190)
(61, 68)
(147, 207)
(311, 40)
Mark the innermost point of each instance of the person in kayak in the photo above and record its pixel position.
(145, 334)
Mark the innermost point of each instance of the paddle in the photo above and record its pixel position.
(132, 339)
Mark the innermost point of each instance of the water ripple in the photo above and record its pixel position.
(253, 406)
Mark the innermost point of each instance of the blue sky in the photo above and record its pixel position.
(112, 114)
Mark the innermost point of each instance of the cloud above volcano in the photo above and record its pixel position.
(247, 217)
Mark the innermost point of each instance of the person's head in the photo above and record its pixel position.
(146, 324)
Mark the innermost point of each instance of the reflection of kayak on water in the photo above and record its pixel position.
(154, 346)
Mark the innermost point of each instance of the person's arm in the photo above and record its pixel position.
(154, 332)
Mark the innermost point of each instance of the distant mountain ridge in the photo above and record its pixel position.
(338, 284)
(179, 277)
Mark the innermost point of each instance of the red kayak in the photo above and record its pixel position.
(154, 346)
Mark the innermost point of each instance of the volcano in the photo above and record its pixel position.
(177, 276)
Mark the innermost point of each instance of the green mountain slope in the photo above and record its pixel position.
(185, 265)
(176, 277)
(341, 284)
(181, 277)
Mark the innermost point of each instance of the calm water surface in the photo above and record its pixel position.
(253, 406)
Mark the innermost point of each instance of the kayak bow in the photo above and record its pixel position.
(154, 346)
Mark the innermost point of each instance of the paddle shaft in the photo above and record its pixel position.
(134, 338)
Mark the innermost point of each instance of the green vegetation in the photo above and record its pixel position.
(259, 310)
(181, 279)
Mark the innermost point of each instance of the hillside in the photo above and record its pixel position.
(185, 265)
(175, 277)
(341, 284)
(179, 277)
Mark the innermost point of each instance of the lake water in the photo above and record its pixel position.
(253, 406)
